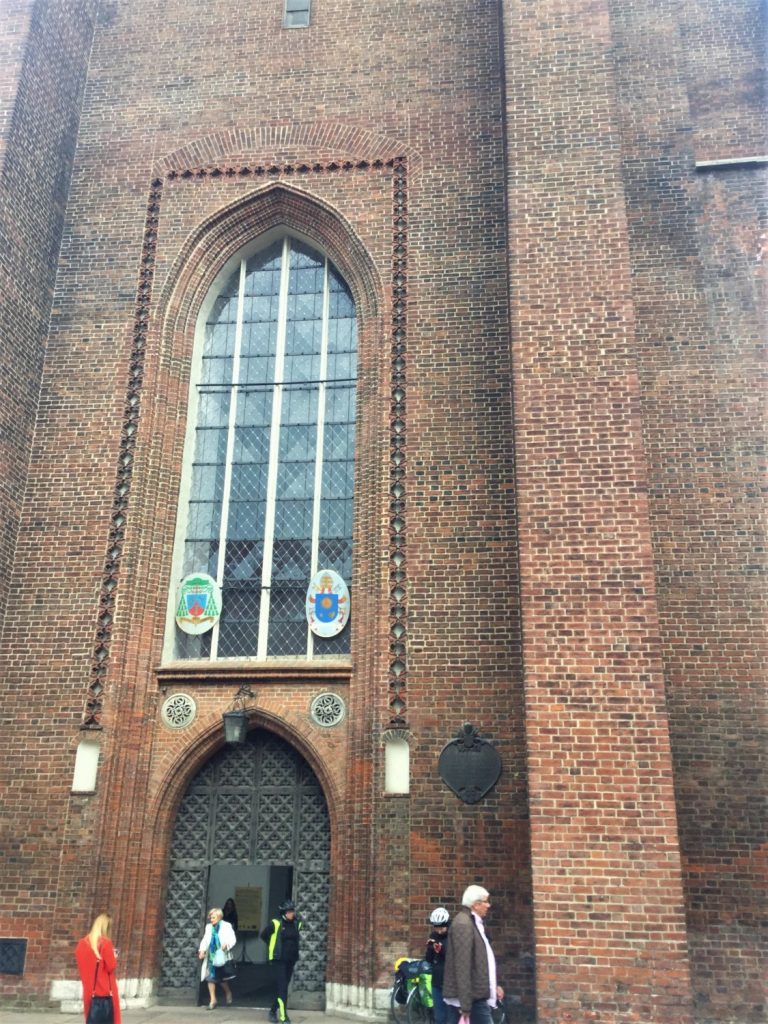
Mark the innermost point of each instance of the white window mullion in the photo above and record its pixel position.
(274, 449)
(321, 398)
(231, 429)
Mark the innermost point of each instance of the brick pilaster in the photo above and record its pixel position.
(608, 902)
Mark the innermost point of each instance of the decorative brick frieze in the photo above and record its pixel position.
(398, 565)
(397, 167)
(100, 660)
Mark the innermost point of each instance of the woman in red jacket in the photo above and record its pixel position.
(96, 962)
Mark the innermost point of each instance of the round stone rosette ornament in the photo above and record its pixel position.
(327, 710)
(178, 711)
(327, 603)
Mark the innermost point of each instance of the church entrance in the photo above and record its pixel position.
(252, 827)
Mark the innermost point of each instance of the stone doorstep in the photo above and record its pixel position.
(141, 994)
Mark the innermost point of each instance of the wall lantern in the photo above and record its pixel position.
(236, 716)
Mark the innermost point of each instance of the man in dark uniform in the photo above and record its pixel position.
(282, 938)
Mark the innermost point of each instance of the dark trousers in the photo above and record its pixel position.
(439, 1009)
(479, 1014)
(282, 972)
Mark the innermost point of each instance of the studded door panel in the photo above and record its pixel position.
(256, 803)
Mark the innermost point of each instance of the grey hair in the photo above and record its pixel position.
(474, 894)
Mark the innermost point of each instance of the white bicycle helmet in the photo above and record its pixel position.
(439, 916)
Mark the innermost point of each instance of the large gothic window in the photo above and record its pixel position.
(268, 481)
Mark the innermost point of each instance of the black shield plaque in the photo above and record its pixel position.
(469, 765)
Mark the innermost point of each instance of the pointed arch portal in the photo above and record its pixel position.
(253, 822)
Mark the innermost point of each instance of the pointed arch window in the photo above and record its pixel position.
(269, 459)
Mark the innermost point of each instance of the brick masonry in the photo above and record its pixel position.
(43, 54)
(557, 529)
(695, 238)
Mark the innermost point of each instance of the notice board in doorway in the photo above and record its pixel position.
(248, 903)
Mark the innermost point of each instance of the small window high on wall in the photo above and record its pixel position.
(296, 14)
(267, 488)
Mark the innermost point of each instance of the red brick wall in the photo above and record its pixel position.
(280, 104)
(614, 657)
(43, 56)
(44, 51)
(608, 901)
(714, 598)
(722, 50)
(699, 289)
(14, 38)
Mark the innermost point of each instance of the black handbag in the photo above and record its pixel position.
(102, 1009)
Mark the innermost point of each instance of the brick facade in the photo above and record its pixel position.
(43, 55)
(549, 218)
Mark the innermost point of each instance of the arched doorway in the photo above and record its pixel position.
(253, 824)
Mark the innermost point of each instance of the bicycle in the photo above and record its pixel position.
(411, 995)
(398, 997)
(419, 1006)
(410, 1000)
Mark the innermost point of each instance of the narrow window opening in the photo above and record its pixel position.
(296, 13)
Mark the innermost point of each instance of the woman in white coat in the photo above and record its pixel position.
(214, 951)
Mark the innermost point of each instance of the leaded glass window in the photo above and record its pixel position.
(269, 476)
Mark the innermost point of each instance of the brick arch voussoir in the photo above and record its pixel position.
(203, 745)
(224, 233)
(200, 748)
(235, 146)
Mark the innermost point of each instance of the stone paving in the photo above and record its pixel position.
(177, 1015)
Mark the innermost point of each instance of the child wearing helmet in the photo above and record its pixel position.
(435, 955)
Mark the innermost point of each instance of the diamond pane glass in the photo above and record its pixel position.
(278, 359)
(287, 620)
(239, 624)
(193, 646)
